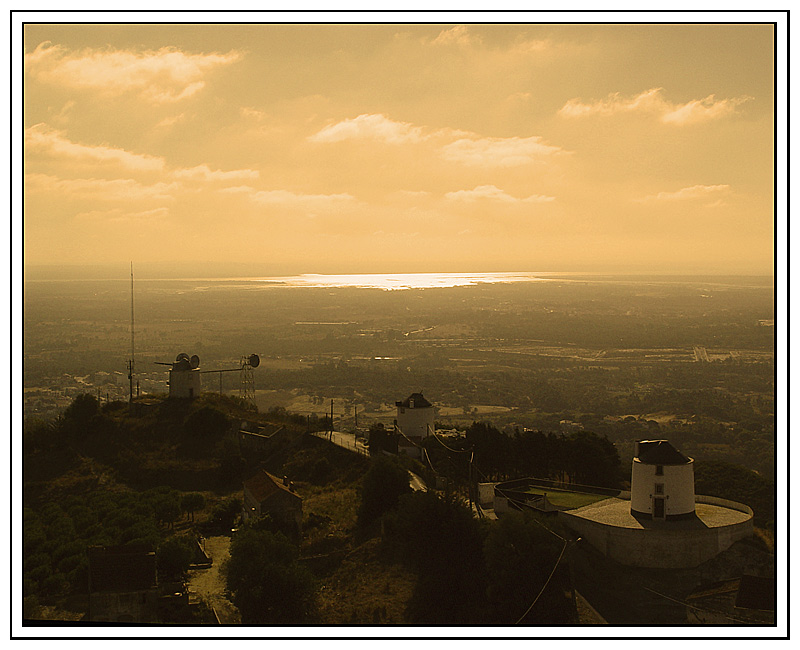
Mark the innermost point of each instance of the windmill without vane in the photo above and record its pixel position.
(184, 376)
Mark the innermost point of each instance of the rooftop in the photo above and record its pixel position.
(617, 512)
(264, 485)
(660, 452)
(416, 399)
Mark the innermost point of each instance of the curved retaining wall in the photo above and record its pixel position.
(658, 548)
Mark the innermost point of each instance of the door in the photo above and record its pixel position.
(658, 508)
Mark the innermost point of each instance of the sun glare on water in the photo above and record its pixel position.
(399, 281)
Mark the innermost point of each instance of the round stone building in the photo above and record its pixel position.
(661, 523)
(662, 481)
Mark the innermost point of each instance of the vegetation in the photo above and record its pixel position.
(383, 485)
(269, 586)
(736, 483)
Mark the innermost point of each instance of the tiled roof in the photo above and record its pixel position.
(418, 400)
(264, 485)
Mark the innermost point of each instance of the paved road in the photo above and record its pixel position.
(351, 443)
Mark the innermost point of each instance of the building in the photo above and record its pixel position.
(660, 523)
(662, 481)
(265, 494)
(122, 584)
(184, 377)
(415, 421)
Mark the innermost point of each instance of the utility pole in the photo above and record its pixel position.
(331, 434)
(130, 362)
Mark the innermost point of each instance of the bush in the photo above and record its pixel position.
(224, 514)
(269, 586)
(382, 487)
(174, 557)
(443, 542)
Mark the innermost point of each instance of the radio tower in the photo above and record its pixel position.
(130, 361)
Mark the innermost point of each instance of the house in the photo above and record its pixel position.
(265, 494)
(122, 584)
(415, 421)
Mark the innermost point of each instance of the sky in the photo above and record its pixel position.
(401, 147)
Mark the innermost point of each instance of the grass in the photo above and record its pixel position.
(567, 499)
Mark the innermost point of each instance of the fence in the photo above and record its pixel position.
(345, 441)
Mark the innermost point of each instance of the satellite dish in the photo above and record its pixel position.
(182, 357)
(194, 362)
(253, 360)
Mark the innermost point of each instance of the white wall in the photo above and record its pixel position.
(415, 422)
(677, 482)
(184, 383)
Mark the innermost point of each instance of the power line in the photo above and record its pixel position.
(550, 577)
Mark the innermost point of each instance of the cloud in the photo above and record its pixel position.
(499, 152)
(158, 76)
(204, 173)
(121, 189)
(289, 199)
(41, 139)
(117, 216)
(652, 101)
(458, 35)
(369, 127)
(490, 192)
(688, 193)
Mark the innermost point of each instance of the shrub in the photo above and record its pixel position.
(269, 586)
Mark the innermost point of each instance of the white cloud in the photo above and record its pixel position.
(289, 199)
(458, 35)
(689, 193)
(204, 173)
(499, 152)
(121, 189)
(652, 101)
(41, 139)
(159, 76)
(369, 127)
(118, 216)
(493, 193)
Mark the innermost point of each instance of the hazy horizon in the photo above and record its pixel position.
(638, 148)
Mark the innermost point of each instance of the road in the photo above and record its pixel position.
(351, 443)
(210, 585)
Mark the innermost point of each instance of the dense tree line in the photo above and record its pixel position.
(581, 457)
(56, 535)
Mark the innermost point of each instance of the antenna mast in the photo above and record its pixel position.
(130, 361)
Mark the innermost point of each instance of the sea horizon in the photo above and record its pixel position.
(406, 281)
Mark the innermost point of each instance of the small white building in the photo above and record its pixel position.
(660, 523)
(662, 481)
(415, 420)
(184, 377)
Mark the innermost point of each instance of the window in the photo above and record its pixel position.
(659, 470)
(659, 488)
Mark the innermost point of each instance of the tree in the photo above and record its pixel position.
(225, 513)
(191, 502)
(382, 486)
(443, 542)
(79, 415)
(381, 440)
(167, 509)
(520, 554)
(268, 585)
(174, 556)
(206, 423)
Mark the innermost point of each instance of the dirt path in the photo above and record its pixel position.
(210, 585)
